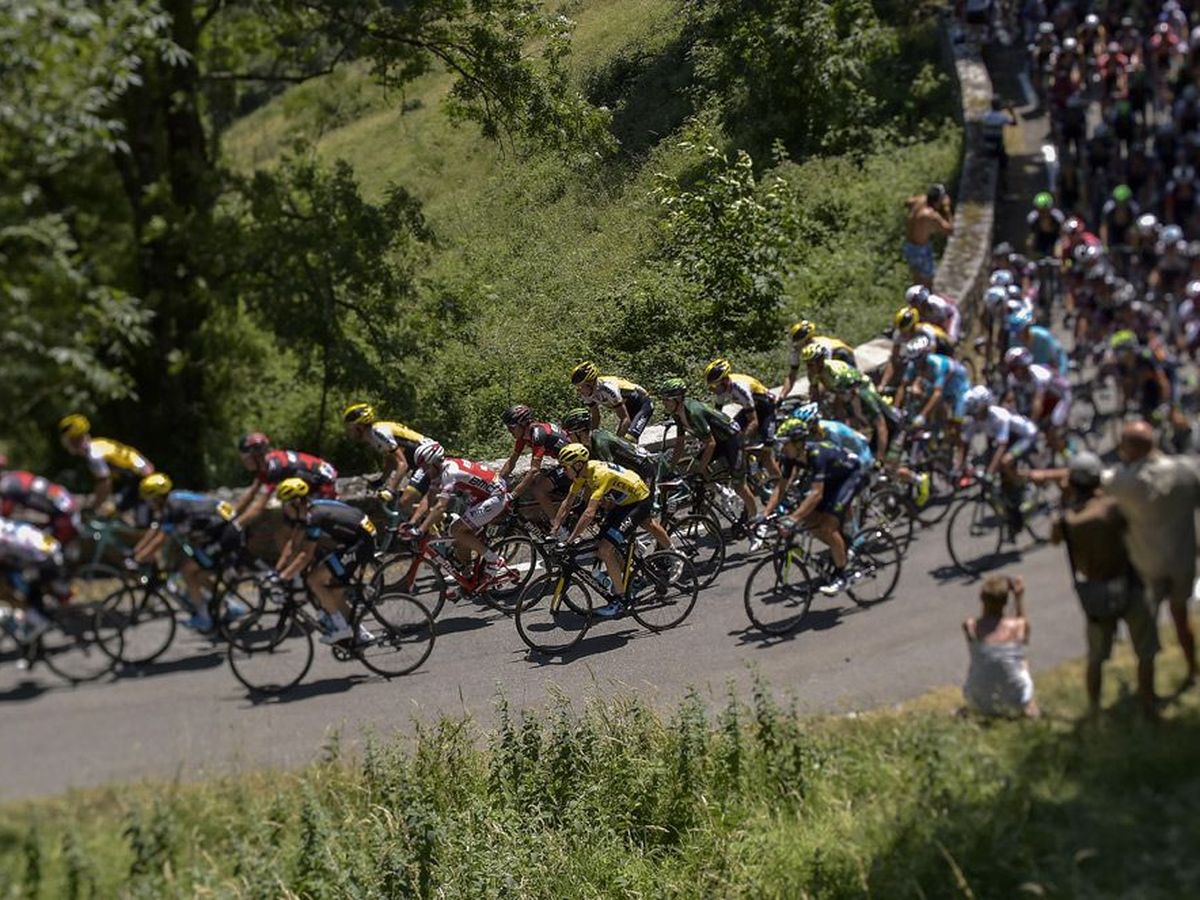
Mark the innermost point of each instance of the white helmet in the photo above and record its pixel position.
(428, 453)
(918, 293)
(917, 347)
(1147, 224)
(1002, 278)
(994, 297)
(1018, 357)
(978, 397)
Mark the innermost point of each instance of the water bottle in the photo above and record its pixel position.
(728, 499)
(600, 573)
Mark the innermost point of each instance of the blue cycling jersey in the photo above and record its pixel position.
(941, 372)
(842, 435)
(1047, 350)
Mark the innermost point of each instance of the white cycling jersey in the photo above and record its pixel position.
(1002, 426)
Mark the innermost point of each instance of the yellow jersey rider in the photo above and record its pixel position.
(629, 401)
(803, 334)
(756, 413)
(908, 325)
(396, 443)
(117, 468)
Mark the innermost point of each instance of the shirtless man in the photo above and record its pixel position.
(927, 215)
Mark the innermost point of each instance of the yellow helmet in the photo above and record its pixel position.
(359, 414)
(74, 426)
(803, 330)
(572, 454)
(291, 489)
(585, 371)
(815, 352)
(717, 369)
(154, 485)
(907, 318)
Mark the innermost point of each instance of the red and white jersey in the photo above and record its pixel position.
(473, 480)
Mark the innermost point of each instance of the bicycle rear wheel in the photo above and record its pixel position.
(147, 622)
(553, 614)
(701, 539)
(270, 651)
(874, 566)
(665, 586)
(522, 556)
(392, 574)
(975, 534)
(84, 643)
(942, 492)
(242, 597)
(403, 634)
(778, 593)
(890, 508)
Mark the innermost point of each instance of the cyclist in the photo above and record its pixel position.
(21, 490)
(1039, 393)
(1011, 437)
(205, 528)
(721, 436)
(392, 440)
(1047, 350)
(935, 309)
(630, 504)
(944, 382)
(629, 401)
(271, 468)
(808, 418)
(1045, 223)
(756, 416)
(851, 387)
(835, 476)
(487, 499)
(1118, 216)
(353, 535)
(804, 333)
(549, 483)
(1146, 378)
(908, 326)
(115, 467)
(31, 561)
(607, 447)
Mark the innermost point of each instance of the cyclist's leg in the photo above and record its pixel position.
(477, 517)
(731, 452)
(639, 417)
(327, 580)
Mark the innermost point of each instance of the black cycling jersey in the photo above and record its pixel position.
(187, 511)
(339, 521)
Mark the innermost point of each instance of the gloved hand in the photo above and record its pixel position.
(385, 495)
(918, 421)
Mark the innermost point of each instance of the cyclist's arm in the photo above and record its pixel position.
(586, 519)
(594, 411)
(511, 462)
(149, 544)
(563, 509)
(752, 423)
(810, 501)
(789, 380)
(255, 507)
(299, 562)
(777, 495)
(102, 492)
(706, 455)
(395, 469)
(289, 549)
(433, 515)
(680, 440)
(997, 457)
(935, 397)
(625, 421)
(535, 466)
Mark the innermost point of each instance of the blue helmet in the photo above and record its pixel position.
(1022, 318)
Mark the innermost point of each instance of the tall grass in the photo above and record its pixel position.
(613, 799)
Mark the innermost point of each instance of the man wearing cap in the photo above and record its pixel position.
(1093, 529)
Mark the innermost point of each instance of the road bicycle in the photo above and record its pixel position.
(555, 610)
(82, 643)
(984, 522)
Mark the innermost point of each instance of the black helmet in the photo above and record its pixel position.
(517, 415)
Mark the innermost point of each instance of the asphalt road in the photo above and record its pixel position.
(187, 716)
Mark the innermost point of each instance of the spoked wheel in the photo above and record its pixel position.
(701, 540)
(270, 651)
(665, 590)
(523, 558)
(778, 593)
(84, 643)
(553, 614)
(874, 566)
(942, 491)
(95, 582)
(890, 508)
(392, 574)
(147, 621)
(242, 597)
(403, 633)
(975, 534)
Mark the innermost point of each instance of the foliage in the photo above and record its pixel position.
(615, 799)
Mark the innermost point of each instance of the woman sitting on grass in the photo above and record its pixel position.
(998, 681)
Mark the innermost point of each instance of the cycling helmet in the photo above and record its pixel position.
(1020, 320)
(1172, 235)
(1192, 292)
(1002, 278)
(1045, 28)
(1044, 200)
(815, 353)
(717, 370)
(1122, 193)
(577, 419)
(917, 293)
(154, 485)
(1147, 224)
(907, 318)
(359, 414)
(254, 442)
(1091, 21)
(795, 428)
(673, 387)
(516, 415)
(74, 426)
(809, 414)
(1070, 45)
(585, 371)
(803, 330)
(1018, 357)
(1004, 248)
(994, 297)
(291, 489)
(1073, 226)
(428, 453)
(1123, 340)
(978, 398)
(917, 348)
(573, 454)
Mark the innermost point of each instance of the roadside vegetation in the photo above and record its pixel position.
(617, 800)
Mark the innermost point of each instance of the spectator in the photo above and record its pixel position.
(927, 215)
(1093, 530)
(1158, 495)
(992, 126)
(998, 680)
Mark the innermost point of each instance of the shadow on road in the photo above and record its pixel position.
(461, 624)
(601, 643)
(23, 691)
(816, 620)
(307, 691)
(194, 663)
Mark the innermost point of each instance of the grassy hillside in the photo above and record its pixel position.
(535, 254)
(615, 800)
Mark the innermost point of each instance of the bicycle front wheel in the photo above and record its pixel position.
(270, 651)
(888, 507)
(974, 535)
(874, 567)
(523, 559)
(553, 614)
(84, 643)
(667, 592)
(402, 632)
(701, 539)
(778, 593)
(147, 622)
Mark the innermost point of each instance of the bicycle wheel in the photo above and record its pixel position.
(665, 588)
(403, 633)
(700, 538)
(147, 623)
(553, 614)
(522, 557)
(94, 582)
(84, 642)
(874, 566)
(392, 574)
(242, 597)
(778, 593)
(889, 507)
(942, 492)
(270, 651)
(974, 535)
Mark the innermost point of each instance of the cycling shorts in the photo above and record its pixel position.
(956, 405)
(839, 494)
(622, 521)
(729, 451)
(485, 512)
(216, 545)
(639, 408)
(764, 410)
(1023, 447)
(343, 561)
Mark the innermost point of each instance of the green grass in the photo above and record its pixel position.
(616, 800)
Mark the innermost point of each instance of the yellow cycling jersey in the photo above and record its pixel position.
(105, 455)
(832, 343)
(387, 436)
(611, 391)
(608, 481)
(752, 384)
